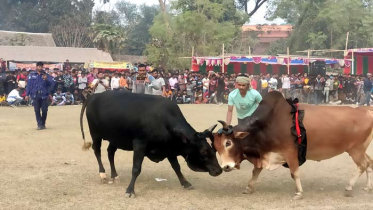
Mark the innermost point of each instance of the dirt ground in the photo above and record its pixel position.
(48, 170)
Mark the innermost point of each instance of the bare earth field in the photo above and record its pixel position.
(48, 170)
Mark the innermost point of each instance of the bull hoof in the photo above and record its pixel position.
(130, 195)
(248, 190)
(190, 187)
(114, 180)
(348, 193)
(187, 186)
(297, 196)
(368, 189)
(103, 178)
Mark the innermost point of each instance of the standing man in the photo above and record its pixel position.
(158, 84)
(100, 84)
(244, 98)
(142, 81)
(367, 89)
(39, 87)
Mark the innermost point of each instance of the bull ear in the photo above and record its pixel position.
(240, 135)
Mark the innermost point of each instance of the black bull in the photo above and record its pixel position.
(150, 126)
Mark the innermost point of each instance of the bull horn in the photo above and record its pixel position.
(211, 129)
(224, 124)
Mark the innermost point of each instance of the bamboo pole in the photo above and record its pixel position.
(288, 54)
(308, 63)
(191, 63)
(348, 33)
(353, 62)
(222, 63)
(249, 50)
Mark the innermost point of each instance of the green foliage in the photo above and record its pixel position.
(40, 15)
(108, 37)
(204, 24)
(323, 24)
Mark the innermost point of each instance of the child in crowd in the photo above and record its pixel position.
(179, 98)
(3, 100)
(69, 98)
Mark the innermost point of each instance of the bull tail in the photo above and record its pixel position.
(86, 145)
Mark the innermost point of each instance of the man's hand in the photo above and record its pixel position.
(26, 98)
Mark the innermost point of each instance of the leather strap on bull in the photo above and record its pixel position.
(299, 131)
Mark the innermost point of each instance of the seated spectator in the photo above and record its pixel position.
(69, 98)
(3, 101)
(199, 97)
(168, 93)
(179, 98)
(14, 99)
(58, 98)
(77, 98)
(186, 98)
(225, 96)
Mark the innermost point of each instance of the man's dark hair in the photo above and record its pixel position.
(242, 75)
(155, 70)
(23, 70)
(141, 65)
(39, 64)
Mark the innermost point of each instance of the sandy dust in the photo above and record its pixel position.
(48, 170)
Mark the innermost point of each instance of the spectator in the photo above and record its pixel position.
(21, 78)
(100, 84)
(187, 99)
(90, 78)
(115, 82)
(69, 98)
(206, 83)
(123, 82)
(179, 98)
(74, 76)
(199, 97)
(68, 81)
(220, 88)
(327, 89)
(2, 83)
(264, 86)
(318, 87)
(173, 82)
(212, 85)
(11, 82)
(14, 99)
(129, 81)
(159, 86)
(253, 82)
(82, 84)
(58, 98)
(142, 82)
(367, 89)
(286, 86)
(3, 101)
(168, 93)
(60, 82)
(272, 83)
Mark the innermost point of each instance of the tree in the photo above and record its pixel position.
(242, 4)
(204, 24)
(73, 32)
(108, 38)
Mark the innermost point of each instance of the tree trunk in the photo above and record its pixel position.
(162, 4)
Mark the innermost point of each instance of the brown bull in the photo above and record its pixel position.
(267, 142)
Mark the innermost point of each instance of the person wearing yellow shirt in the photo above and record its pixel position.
(2, 100)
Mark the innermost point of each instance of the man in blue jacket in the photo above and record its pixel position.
(367, 89)
(39, 86)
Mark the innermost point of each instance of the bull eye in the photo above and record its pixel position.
(204, 152)
(228, 143)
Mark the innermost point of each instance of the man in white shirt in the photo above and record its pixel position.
(100, 84)
(14, 99)
(159, 86)
(173, 81)
(286, 86)
(206, 83)
(272, 83)
(115, 84)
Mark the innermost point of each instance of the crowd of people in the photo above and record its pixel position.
(71, 86)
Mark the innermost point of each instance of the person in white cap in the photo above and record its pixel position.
(244, 98)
